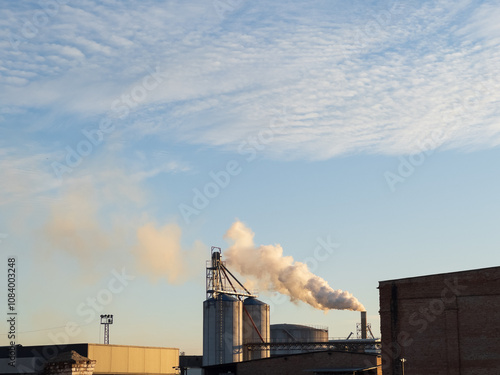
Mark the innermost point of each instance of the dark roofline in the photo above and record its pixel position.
(454, 273)
(295, 355)
(28, 351)
(342, 369)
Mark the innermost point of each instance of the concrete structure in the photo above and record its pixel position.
(444, 324)
(255, 317)
(109, 359)
(325, 362)
(296, 333)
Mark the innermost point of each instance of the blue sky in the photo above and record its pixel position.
(372, 125)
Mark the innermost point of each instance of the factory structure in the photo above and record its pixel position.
(238, 338)
(237, 335)
(232, 315)
(438, 324)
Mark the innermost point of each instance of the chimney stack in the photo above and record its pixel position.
(363, 324)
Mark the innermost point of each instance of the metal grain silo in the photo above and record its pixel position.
(258, 312)
(297, 333)
(222, 330)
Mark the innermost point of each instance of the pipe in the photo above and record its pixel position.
(363, 324)
(224, 269)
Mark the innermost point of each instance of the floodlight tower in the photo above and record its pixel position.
(106, 320)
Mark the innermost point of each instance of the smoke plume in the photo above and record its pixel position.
(160, 254)
(96, 222)
(270, 270)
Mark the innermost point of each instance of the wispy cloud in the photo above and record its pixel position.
(374, 80)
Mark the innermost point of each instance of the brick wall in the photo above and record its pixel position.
(70, 368)
(445, 324)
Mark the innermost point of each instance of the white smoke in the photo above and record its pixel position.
(97, 222)
(270, 270)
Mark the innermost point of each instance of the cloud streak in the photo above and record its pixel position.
(375, 81)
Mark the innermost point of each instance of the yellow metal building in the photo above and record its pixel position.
(122, 359)
(110, 359)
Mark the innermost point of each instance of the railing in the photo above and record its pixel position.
(354, 345)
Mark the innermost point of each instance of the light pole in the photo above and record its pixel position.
(403, 360)
(106, 320)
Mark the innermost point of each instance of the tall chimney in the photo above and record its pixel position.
(363, 324)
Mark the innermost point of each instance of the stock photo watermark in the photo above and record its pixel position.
(222, 7)
(11, 294)
(409, 164)
(377, 23)
(89, 310)
(220, 180)
(120, 109)
(29, 28)
(325, 248)
(422, 320)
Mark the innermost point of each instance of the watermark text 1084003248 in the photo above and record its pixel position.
(11, 309)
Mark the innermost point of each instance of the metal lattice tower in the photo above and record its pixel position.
(106, 320)
(220, 282)
(218, 278)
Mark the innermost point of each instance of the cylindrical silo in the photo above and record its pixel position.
(296, 333)
(222, 330)
(259, 311)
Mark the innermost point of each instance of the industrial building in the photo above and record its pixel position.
(108, 359)
(232, 316)
(328, 362)
(441, 324)
(238, 338)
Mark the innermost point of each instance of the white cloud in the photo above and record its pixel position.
(376, 80)
(25, 178)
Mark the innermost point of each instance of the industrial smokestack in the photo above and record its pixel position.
(270, 270)
(363, 324)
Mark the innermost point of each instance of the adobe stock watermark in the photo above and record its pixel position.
(93, 306)
(422, 320)
(120, 108)
(408, 164)
(377, 23)
(30, 27)
(222, 7)
(324, 249)
(89, 310)
(220, 180)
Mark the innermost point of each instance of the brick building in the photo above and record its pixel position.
(444, 324)
(323, 362)
(69, 363)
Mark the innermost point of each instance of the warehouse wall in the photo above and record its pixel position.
(442, 324)
(121, 359)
